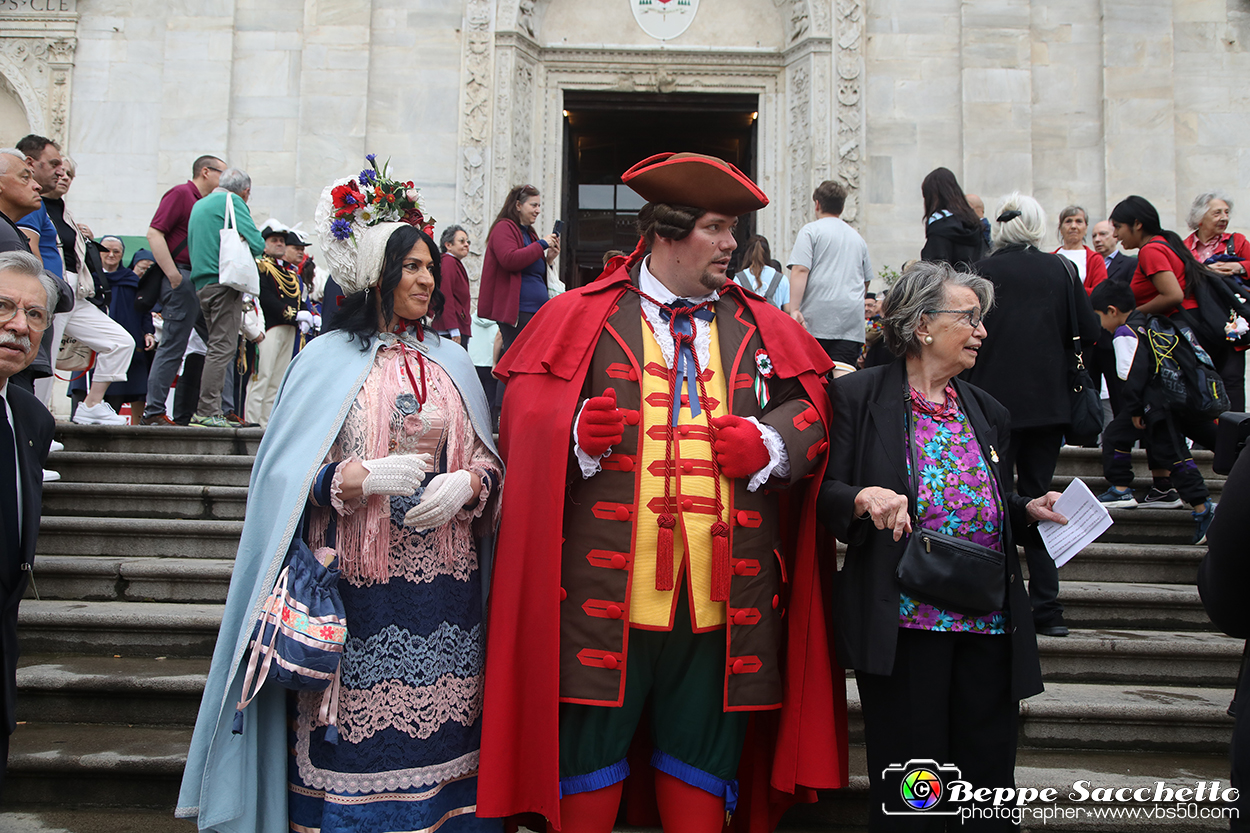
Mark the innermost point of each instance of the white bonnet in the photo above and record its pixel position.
(355, 263)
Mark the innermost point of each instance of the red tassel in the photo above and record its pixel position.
(720, 562)
(664, 553)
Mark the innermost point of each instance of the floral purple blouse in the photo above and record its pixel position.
(956, 497)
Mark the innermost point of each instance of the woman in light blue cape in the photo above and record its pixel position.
(379, 446)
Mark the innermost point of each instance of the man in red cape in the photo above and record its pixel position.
(665, 431)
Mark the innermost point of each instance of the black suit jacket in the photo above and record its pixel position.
(867, 448)
(32, 428)
(1122, 268)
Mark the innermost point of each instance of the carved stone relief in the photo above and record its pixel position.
(800, 20)
(799, 95)
(39, 70)
(850, 132)
(477, 50)
(811, 116)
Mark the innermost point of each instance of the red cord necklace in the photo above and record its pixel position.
(420, 392)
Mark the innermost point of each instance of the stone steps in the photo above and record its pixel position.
(141, 439)
(137, 546)
(149, 629)
(1140, 485)
(1122, 657)
(1150, 526)
(97, 820)
(112, 578)
(1127, 562)
(1082, 716)
(138, 536)
(1086, 463)
(70, 688)
(1137, 606)
(152, 468)
(90, 765)
(140, 500)
(846, 810)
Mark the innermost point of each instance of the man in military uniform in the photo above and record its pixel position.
(280, 296)
(666, 415)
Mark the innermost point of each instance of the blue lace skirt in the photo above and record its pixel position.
(409, 715)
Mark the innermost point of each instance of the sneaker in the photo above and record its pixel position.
(1202, 521)
(56, 446)
(214, 421)
(101, 413)
(49, 475)
(1159, 499)
(1113, 498)
(158, 419)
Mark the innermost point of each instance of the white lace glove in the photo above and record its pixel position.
(446, 495)
(400, 474)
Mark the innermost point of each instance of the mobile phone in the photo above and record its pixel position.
(557, 227)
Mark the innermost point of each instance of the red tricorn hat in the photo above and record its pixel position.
(695, 180)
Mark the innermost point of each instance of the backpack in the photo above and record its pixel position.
(1183, 378)
(1221, 319)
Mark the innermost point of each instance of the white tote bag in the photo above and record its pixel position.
(236, 268)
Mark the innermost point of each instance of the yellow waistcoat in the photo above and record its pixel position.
(691, 488)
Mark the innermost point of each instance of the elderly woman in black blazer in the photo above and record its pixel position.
(933, 683)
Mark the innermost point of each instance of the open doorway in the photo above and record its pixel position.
(606, 133)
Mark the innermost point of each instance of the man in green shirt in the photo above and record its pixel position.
(222, 305)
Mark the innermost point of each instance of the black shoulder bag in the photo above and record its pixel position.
(1086, 405)
(945, 571)
(149, 290)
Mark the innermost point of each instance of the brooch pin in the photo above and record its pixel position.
(993, 454)
(764, 366)
(406, 403)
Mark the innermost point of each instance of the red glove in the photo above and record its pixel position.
(739, 446)
(601, 424)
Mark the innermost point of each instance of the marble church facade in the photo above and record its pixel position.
(1080, 101)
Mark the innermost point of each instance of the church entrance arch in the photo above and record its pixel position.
(608, 132)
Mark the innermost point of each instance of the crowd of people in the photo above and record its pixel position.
(128, 330)
(650, 600)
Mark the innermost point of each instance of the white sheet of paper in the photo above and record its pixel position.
(1087, 519)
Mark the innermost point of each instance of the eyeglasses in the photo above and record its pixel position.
(215, 170)
(973, 316)
(37, 318)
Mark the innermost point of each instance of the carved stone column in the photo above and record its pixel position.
(476, 55)
(37, 59)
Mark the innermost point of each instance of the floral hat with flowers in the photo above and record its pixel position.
(355, 216)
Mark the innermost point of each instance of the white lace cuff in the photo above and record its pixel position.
(475, 511)
(336, 490)
(778, 458)
(589, 465)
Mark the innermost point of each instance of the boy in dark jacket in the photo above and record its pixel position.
(1144, 415)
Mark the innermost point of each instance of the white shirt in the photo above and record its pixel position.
(778, 457)
(1077, 256)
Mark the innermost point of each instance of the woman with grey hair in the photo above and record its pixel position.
(914, 449)
(455, 321)
(1211, 242)
(1025, 366)
(1225, 252)
(1090, 267)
